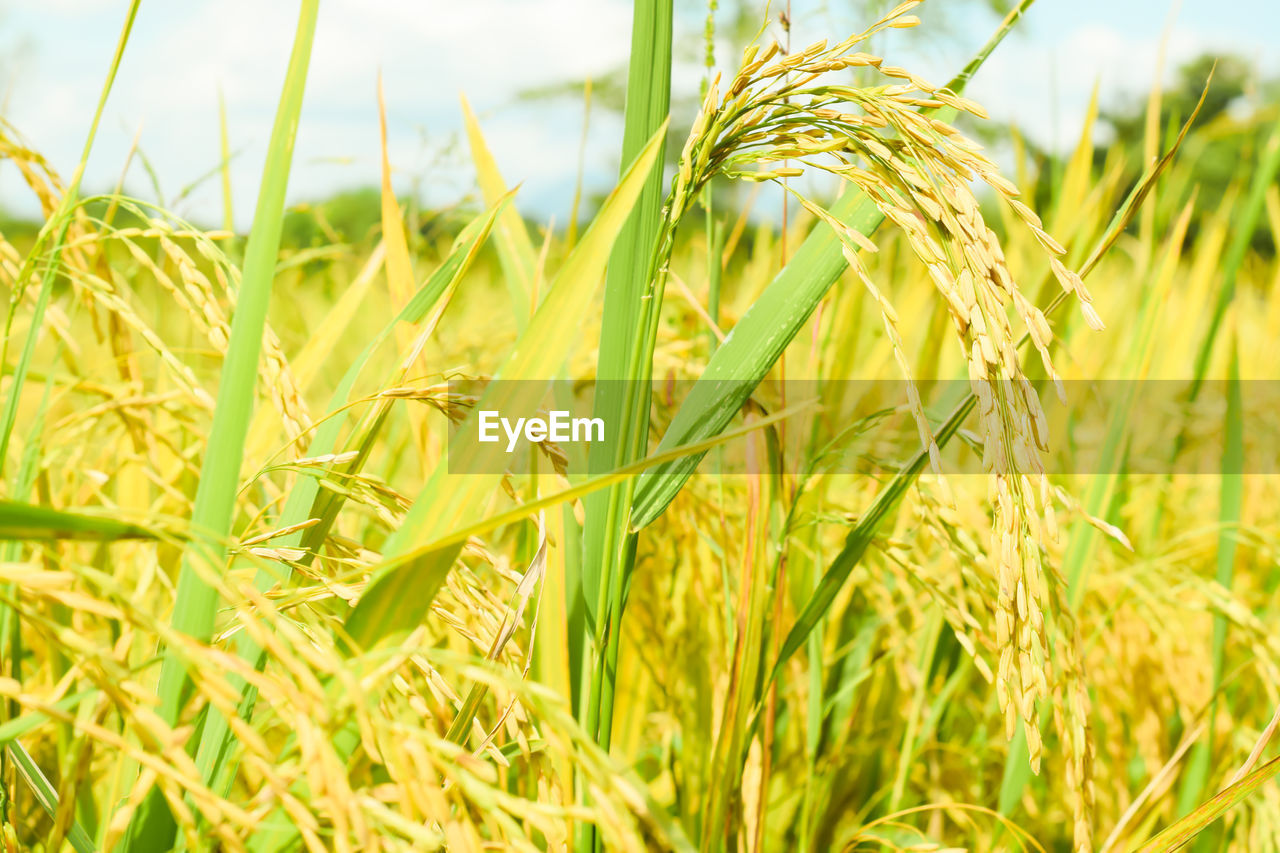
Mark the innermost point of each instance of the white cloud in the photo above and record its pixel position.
(428, 51)
(1045, 88)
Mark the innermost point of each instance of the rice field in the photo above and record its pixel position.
(939, 515)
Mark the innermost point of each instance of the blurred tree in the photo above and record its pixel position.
(1231, 129)
(1231, 76)
(1239, 111)
(344, 217)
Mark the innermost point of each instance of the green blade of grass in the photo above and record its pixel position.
(396, 599)
(196, 602)
(47, 796)
(625, 308)
(28, 521)
(1185, 830)
(515, 249)
(19, 726)
(211, 516)
(860, 538)
(57, 227)
(630, 313)
(213, 759)
(1230, 507)
(1242, 235)
(754, 345)
(750, 350)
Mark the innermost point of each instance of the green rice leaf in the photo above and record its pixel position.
(212, 757)
(515, 249)
(1230, 510)
(220, 472)
(754, 345)
(28, 521)
(396, 600)
(1185, 830)
(626, 310)
(860, 538)
(55, 227)
(47, 796)
(750, 350)
(19, 726)
(196, 602)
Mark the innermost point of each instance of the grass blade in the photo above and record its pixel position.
(196, 602)
(47, 796)
(628, 317)
(212, 758)
(749, 352)
(647, 106)
(397, 599)
(220, 473)
(1230, 507)
(515, 249)
(1185, 830)
(27, 521)
(57, 225)
(1242, 235)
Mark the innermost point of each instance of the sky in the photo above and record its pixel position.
(54, 55)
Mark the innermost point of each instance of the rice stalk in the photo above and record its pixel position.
(916, 174)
